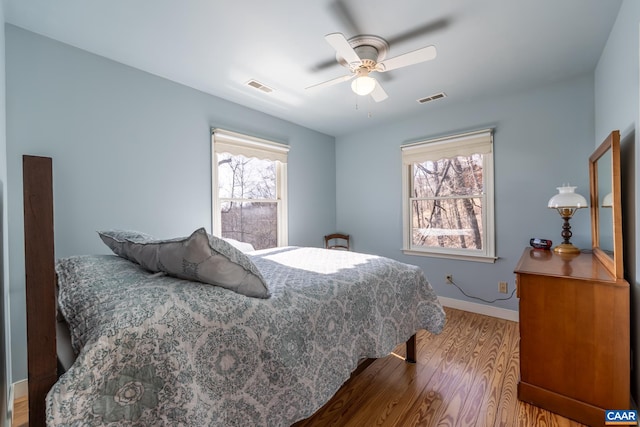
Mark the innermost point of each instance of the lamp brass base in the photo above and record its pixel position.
(566, 248)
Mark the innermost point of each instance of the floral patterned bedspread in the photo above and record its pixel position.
(155, 350)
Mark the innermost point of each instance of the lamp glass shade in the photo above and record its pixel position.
(363, 85)
(567, 198)
(607, 200)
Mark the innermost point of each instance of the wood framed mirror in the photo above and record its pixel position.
(606, 210)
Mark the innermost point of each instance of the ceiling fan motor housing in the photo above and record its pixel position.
(371, 50)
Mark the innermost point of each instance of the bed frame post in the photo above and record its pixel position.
(411, 349)
(40, 282)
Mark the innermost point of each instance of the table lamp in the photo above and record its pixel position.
(567, 202)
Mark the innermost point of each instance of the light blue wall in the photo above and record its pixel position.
(5, 325)
(132, 150)
(617, 107)
(543, 138)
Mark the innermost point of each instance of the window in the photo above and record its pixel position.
(448, 197)
(249, 183)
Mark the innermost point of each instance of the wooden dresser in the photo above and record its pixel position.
(574, 335)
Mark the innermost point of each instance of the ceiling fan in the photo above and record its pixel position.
(365, 54)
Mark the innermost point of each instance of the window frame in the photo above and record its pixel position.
(480, 142)
(224, 141)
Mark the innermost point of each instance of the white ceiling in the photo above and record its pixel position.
(484, 47)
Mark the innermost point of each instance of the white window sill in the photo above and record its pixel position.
(475, 258)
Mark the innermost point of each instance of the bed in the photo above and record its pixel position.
(155, 349)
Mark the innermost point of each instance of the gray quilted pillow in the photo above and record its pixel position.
(200, 257)
(119, 240)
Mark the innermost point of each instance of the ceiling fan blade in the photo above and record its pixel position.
(378, 93)
(410, 58)
(324, 65)
(331, 82)
(419, 31)
(344, 15)
(342, 47)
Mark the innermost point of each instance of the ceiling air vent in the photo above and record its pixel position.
(257, 85)
(432, 97)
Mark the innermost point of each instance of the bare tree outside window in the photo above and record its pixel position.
(248, 200)
(447, 198)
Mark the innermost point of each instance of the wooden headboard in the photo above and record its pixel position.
(40, 282)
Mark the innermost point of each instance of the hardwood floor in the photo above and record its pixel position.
(466, 376)
(20, 413)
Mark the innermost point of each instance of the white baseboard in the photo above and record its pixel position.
(473, 307)
(17, 391)
(10, 401)
(20, 389)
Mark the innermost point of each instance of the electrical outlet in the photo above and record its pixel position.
(449, 278)
(503, 287)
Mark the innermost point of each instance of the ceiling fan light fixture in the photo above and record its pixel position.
(363, 85)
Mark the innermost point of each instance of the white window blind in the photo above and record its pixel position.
(236, 144)
(479, 142)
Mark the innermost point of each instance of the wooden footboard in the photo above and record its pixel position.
(39, 283)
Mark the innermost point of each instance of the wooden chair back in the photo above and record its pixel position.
(337, 241)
